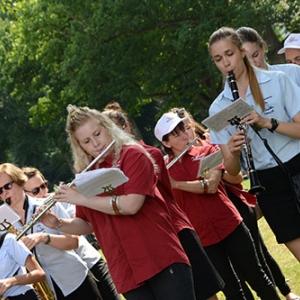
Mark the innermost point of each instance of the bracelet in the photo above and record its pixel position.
(205, 185)
(59, 224)
(48, 240)
(114, 203)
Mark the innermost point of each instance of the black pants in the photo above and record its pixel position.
(268, 263)
(104, 281)
(87, 290)
(207, 281)
(29, 295)
(237, 251)
(174, 282)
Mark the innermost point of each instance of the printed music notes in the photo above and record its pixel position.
(7, 217)
(97, 181)
(209, 163)
(221, 120)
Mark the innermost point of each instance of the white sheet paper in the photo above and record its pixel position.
(94, 182)
(221, 120)
(7, 216)
(209, 163)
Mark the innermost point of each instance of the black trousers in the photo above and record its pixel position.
(104, 281)
(87, 290)
(29, 295)
(174, 282)
(207, 281)
(268, 263)
(238, 251)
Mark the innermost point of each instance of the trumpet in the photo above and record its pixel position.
(50, 202)
(255, 187)
(189, 145)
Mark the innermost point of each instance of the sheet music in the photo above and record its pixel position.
(209, 163)
(220, 120)
(7, 216)
(94, 182)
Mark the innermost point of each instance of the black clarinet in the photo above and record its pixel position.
(255, 187)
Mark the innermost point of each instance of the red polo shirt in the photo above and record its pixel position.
(139, 246)
(213, 216)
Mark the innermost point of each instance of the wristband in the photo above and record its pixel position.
(205, 185)
(274, 124)
(114, 203)
(48, 240)
(59, 224)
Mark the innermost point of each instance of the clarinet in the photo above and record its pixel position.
(255, 187)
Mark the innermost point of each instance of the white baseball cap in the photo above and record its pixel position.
(292, 41)
(166, 124)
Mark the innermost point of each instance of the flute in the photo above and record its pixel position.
(50, 202)
(173, 161)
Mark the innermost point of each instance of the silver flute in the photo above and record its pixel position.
(189, 145)
(50, 202)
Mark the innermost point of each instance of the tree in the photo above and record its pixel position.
(148, 55)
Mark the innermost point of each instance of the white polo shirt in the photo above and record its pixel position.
(13, 256)
(282, 102)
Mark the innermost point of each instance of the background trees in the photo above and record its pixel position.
(147, 55)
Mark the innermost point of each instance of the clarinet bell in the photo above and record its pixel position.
(255, 187)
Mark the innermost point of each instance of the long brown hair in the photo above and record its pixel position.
(231, 34)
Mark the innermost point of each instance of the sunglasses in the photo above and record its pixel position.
(180, 112)
(6, 186)
(36, 190)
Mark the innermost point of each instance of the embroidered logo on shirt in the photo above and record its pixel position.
(268, 107)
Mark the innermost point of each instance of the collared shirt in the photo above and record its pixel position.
(13, 256)
(292, 70)
(213, 216)
(138, 246)
(66, 267)
(180, 220)
(282, 102)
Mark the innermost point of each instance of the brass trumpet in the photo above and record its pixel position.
(50, 202)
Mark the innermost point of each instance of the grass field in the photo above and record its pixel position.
(288, 264)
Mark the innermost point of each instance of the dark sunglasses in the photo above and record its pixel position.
(6, 186)
(36, 190)
(180, 112)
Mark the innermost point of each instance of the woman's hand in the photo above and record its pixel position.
(254, 118)
(33, 239)
(236, 142)
(69, 194)
(49, 218)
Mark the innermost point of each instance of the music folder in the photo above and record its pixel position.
(209, 163)
(7, 217)
(221, 120)
(95, 182)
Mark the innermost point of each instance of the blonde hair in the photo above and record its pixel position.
(77, 116)
(231, 34)
(16, 174)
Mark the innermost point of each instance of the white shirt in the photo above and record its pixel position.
(85, 250)
(13, 256)
(292, 70)
(65, 266)
(282, 102)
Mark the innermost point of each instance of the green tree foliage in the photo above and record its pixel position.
(148, 55)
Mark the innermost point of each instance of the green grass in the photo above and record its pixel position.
(287, 262)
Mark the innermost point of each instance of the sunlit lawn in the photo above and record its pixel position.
(288, 264)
